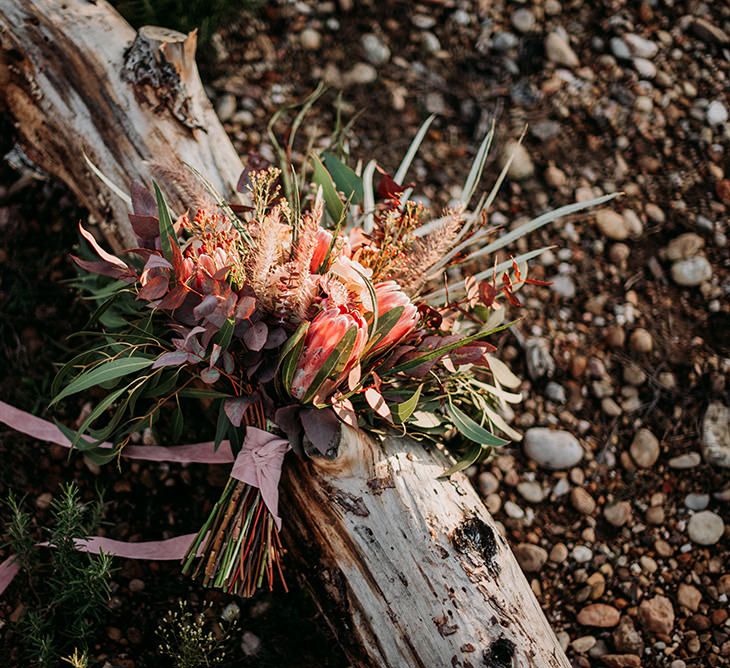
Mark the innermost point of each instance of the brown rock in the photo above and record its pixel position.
(626, 638)
(689, 597)
(530, 557)
(582, 501)
(699, 622)
(618, 514)
(657, 615)
(621, 661)
(600, 615)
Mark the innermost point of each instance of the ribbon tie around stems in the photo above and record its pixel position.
(259, 465)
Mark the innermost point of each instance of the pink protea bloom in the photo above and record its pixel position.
(329, 342)
(322, 246)
(390, 296)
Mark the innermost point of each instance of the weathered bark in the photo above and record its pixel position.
(408, 569)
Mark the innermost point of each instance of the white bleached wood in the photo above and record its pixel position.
(408, 570)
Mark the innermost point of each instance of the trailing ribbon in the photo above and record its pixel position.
(258, 464)
(195, 453)
(172, 549)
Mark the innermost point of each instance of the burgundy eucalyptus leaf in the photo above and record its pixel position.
(175, 358)
(228, 362)
(277, 337)
(245, 307)
(322, 429)
(236, 408)
(206, 307)
(215, 353)
(175, 298)
(256, 336)
(287, 419)
(143, 201)
(210, 376)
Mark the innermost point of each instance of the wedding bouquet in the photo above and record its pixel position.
(305, 306)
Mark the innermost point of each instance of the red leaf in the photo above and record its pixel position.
(143, 202)
(156, 288)
(145, 227)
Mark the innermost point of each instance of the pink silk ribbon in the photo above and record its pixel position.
(258, 464)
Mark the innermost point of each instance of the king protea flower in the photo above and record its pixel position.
(397, 316)
(332, 346)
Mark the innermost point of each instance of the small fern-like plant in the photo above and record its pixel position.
(67, 590)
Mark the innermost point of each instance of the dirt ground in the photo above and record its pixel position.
(626, 350)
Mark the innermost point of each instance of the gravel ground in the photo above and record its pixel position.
(618, 513)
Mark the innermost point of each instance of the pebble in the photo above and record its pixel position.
(644, 67)
(689, 597)
(611, 224)
(538, 358)
(521, 166)
(654, 213)
(617, 514)
(686, 461)
(716, 113)
(225, 107)
(250, 643)
(558, 51)
(705, 528)
(555, 177)
(691, 272)
(552, 449)
(685, 246)
(645, 448)
(640, 46)
(558, 553)
(488, 483)
(709, 32)
(581, 554)
(555, 392)
(504, 41)
(634, 375)
(626, 638)
(564, 286)
(376, 52)
(600, 615)
(310, 39)
(610, 407)
(641, 341)
(361, 73)
(523, 20)
(531, 558)
(621, 661)
(136, 585)
(512, 510)
(697, 501)
(582, 501)
(583, 644)
(657, 615)
(620, 49)
(531, 491)
(716, 435)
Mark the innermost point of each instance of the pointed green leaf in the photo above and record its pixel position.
(103, 373)
(404, 410)
(472, 430)
(333, 203)
(345, 179)
(167, 230)
(465, 462)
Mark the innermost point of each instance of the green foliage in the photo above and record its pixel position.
(184, 15)
(70, 589)
(185, 638)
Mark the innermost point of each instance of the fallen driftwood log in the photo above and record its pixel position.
(409, 570)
